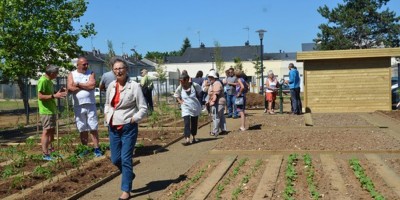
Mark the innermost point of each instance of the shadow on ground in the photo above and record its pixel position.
(154, 186)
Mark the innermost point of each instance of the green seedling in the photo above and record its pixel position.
(30, 143)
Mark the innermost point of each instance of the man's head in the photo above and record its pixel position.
(231, 71)
(143, 72)
(82, 65)
(291, 65)
(52, 71)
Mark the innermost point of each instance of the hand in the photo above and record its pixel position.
(61, 93)
(133, 120)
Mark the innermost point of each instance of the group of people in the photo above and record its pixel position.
(272, 86)
(124, 107)
(127, 102)
(212, 95)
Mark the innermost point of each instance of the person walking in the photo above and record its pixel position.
(81, 83)
(199, 80)
(147, 87)
(272, 86)
(48, 108)
(125, 106)
(231, 83)
(217, 103)
(188, 97)
(294, 85)
(241, 90)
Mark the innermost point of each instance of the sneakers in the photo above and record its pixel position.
(97, 152)
(242, 128)
(47, 157)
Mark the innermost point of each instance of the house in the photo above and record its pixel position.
(204, 58)
(348, 80)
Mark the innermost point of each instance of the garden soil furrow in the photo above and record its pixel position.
(268, 180)
(337, 183)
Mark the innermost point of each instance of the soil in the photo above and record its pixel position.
(186, 179)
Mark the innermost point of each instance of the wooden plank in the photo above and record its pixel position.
(308, 119)
(390, 177)
(266, 187)
(338, 189)
(208, 184)
(353, 53)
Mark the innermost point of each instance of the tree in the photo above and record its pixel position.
(186, 44)
(35, 33)
(358, 24)
(219, 62)
(257, 67)
(110, 54)
(238, 63)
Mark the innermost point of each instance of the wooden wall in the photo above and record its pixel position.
(347, 85)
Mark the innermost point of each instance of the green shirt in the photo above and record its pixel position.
(145, 82)
(46, 87)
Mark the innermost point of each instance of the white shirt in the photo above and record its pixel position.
(83, 96)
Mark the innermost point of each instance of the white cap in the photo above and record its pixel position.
(212, 74)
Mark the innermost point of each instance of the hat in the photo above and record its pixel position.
(212, 74)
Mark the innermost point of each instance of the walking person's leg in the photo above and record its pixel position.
(186, 130)
(235, 112)
(48, 124)
(216, 120)
(193, 127)
(128, 138)
(298, 98)
(222, 121)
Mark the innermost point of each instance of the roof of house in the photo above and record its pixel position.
(207, 54)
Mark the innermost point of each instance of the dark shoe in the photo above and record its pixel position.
(229, 116)
(235, 117)
(194, 141)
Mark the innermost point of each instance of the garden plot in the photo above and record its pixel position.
(296, 176)
(310, 139)
(339, 120)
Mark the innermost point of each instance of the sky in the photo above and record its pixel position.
(162, 25)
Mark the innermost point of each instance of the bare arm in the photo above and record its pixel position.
(241, 88)
(90, 85)
(72, 87)
(60, 94)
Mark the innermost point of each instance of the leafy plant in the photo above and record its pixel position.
(366, 182)
(17, 181)
(291, 176)
(246, 179)
(235, 172)
(104, 147)
(310, 177)
(30, 142)
(154, 118)
(7, 171)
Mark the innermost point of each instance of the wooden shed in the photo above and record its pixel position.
(347, 80)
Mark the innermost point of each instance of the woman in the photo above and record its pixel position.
(125, 106)
(240, 94)
(272, 89)
(217, 103)
(187, 96)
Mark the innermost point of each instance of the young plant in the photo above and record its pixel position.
(246, 179)
(366, 182)
(17, 182)
(291, 176)
(30, 142)
(7, 171)
(310, 177)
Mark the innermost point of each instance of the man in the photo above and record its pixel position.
(106, 79)
(231, 82)
(294, 85)
(81, 83)
(48, 108)
(147, 88)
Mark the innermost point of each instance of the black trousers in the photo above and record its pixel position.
(190, 125)
(149, 98)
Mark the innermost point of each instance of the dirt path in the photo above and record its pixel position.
(156, 172)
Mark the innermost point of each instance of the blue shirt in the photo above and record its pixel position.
(294, 78)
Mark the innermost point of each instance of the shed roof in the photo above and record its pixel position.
(344, 54)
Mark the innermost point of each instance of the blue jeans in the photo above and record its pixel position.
(122, 143)
(232, 112)
(295, 100)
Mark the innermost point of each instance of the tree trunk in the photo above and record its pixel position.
(23, 88)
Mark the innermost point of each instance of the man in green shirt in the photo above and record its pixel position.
(48, 108)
